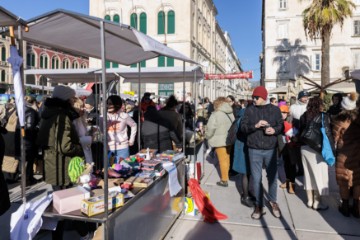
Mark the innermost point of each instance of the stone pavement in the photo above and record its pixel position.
(297, 222)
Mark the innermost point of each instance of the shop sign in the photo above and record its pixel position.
(239, 75)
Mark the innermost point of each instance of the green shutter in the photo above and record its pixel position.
(115, 65)
(3, 54)
(169, 62)
(116, 18)
(161, 61)
(28, 59)
(53, 63)
(107, 64)
(133, 65)
(45, 62)
(133, 20)
(107, 17)
(41, 61)
(3, 76)
(33, 60)
(161, 22)
(171, 22)
(143, 64)
(143, 22)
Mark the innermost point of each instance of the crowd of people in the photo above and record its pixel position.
(269, 135)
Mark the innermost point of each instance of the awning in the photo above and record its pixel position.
(81, 75)
(160, 74)
(282, 89)
(148, 75)
(80, 34)
(9, 19)
(80, 92)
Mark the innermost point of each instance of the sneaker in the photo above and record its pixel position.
(275, 210)
(258, 213)
(222, 183)
(246, 201)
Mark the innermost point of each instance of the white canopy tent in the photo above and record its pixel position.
(9, 19)
(80, 34)
(95, 37)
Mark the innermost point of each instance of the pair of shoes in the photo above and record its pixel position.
(246, 201)
(258, 213)
(222, 183)
(275, 210)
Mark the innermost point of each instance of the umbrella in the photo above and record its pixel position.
(16, 61)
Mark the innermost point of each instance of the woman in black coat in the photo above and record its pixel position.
(156, 132)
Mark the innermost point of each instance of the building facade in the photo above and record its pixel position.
(288, 53)
(188, 26)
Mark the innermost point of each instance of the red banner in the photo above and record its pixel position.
(238, 75)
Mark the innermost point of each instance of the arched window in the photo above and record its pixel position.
(3, 54)
(43, 61)
(3, 75)
(161, 22)
(30, 59)
(133, 20)
(107, 17)
(75, 64)
(83, 65)
(171, 22)
(66, 63)
(116, 18)
(55, 62)
(143, 22)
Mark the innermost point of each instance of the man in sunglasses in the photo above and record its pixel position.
(262, 123)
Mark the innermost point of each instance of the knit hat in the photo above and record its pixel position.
(284, 109)
(303, 94)
(349, 102)
(63, 92)
(260, 91)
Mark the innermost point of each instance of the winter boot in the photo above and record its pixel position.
(318, 205)
(355, 208)
(344, 208)
(291, 188)
(310, 198)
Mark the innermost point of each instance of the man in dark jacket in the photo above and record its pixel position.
(262, 123)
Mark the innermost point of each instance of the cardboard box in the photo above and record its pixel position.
(139, 182)
(69, 200)
(95, 205)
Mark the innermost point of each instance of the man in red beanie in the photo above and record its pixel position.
(262, 123)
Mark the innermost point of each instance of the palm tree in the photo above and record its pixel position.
(319, 19)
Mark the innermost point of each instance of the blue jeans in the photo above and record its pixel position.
(121, 153)
(268, 158)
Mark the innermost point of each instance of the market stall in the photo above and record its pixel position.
(94, 37)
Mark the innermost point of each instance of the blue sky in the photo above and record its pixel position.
(241, 18)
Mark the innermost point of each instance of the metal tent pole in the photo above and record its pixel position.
(103, 79)
(139, 108)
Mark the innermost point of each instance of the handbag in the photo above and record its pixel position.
(312, 135)
(10, 164)
(232, 132)
(326, 150)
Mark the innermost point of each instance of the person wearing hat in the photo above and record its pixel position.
(60, 142)
(285, 149)
(296, 111)
(335, 109)
(31, 124)
(347, 155)
(262, 123)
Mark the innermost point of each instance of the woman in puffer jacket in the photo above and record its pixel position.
(344, 176)
(216, 132)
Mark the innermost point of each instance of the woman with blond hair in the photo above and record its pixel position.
(216, 132)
